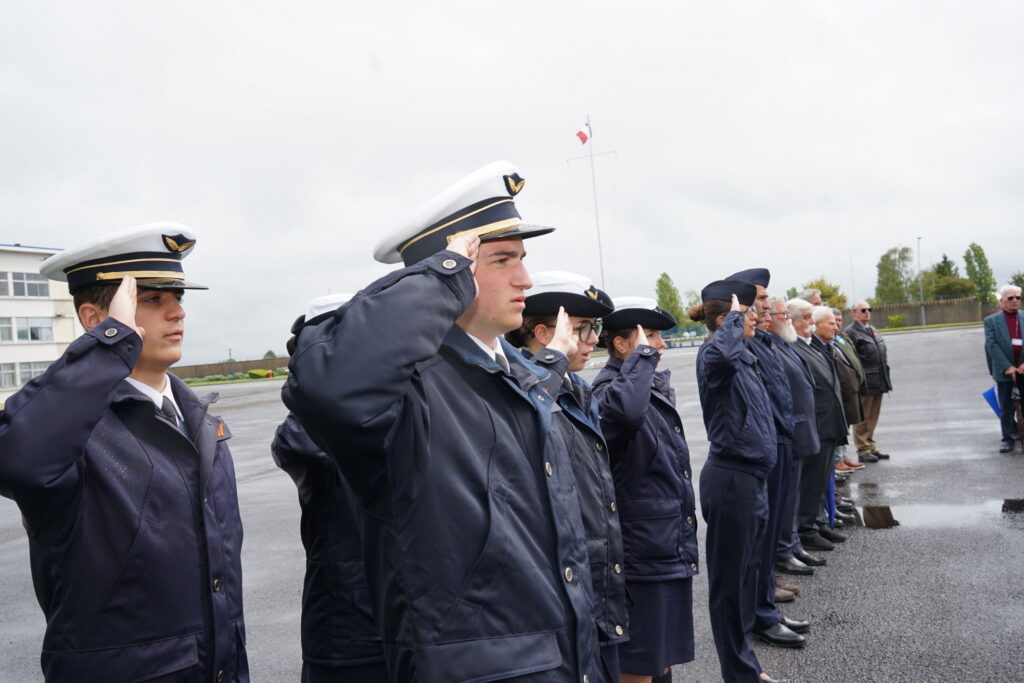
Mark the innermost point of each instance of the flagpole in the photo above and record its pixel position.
(597, 221)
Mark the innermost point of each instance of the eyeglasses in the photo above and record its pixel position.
(587, 328)
(1013, 298)
(865, 310)
(785, 315)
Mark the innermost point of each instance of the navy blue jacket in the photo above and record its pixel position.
(737, 408)
(776, 381)
(338, 628)
(651, 467)
(801, 383)
(474, 546)
(576, 415)
(134, 533)
(828, 399)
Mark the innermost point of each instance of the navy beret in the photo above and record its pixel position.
(723, 290)
(755, 276)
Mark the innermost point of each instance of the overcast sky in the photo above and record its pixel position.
(808, 137)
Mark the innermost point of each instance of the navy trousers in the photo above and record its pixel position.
(366, 673)
(813, 483)
(1007, 421)
(735, 508)
(789, 539)
(766, 614)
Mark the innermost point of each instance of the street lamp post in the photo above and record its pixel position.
(920, 281)
(231, 363)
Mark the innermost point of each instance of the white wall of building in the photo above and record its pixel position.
(56, 309)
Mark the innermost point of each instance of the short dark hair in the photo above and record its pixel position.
(520, 338)
(98, 295)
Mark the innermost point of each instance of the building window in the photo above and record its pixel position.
(4, 289)
(8, 380)
(33, 369)
(6, 333)
(30, 284)
(34, 329)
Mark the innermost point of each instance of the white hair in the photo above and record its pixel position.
(809, 292)
(794, 306)
(1008, 289)
(775, 299)
(818, 313)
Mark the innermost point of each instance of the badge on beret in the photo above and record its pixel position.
(514, 184)
(177, 243)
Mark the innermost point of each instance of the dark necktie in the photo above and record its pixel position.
(171, 414)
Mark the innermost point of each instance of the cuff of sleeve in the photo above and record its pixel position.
(121, 339)
(553, 360)
(645, 351)
(447, 262)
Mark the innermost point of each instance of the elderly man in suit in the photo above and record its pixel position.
(874, 358)
(812, 325)
(1003, 343)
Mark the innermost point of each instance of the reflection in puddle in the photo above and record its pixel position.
(885, 516)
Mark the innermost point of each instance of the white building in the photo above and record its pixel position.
(37, 317)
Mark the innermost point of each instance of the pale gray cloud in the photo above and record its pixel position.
(291, 137)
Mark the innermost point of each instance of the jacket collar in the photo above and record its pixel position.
(525, 373)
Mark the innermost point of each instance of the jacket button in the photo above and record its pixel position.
(617, 568)
(204, 499)
(568, 574)
(449, 263)
(686, 474)
(549, 356)
(678, 429)
(216, 585)
(598, 446)
(689, 520)
(619, 630)
(111, 332)
(130, 347)
(647, 352)
(693, 567)
(220, 675)
(613, 507)
(549, 469)
(586, 678)
(541, 398)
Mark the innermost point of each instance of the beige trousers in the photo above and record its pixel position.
(864, 432)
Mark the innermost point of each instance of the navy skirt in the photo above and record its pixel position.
(660, 626)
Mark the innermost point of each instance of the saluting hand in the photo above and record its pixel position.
(640, 339)
(735, 303)
(123, 304)
(467, 245)
(563, 340)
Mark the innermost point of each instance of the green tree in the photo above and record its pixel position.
(946, 268)
(952, 288)
(1017, 278)
(830, 293)
(792, 293)
(979, 272)
(894, 276)
(692, 299)
(269, 354)
(668, 297)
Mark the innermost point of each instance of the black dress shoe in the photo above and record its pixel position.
(816, 542)
(794, 566)
(781, 636)
(1006, 447)
(838, 523)
(868, 457)
(845, 518)
(810, 560)
(846, 507)
(796, 625)
(831, 535)
(881, 456)
(774, 680)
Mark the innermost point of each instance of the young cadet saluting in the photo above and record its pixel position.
(651, 464)
(554, 294)
(733, 493)
(340, 638)
(475, 552)
(125, 483)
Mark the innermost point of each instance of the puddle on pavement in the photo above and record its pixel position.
(924, 516)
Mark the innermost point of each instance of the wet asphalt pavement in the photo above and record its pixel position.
(938, 598)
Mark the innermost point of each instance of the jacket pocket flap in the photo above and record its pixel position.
(140, 662)
(489, 659)
(648, 508)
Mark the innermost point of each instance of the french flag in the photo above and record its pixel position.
(585, 133)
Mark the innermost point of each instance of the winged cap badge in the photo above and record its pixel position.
(514, 183)
(177, 243)
(592, 293)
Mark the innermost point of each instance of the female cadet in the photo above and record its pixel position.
(578, 424)
(733, 489)
(651, 467)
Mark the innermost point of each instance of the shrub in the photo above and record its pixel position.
(214, 378)
(240, 375)
(259, 373)
(895, 321)
(192, 380)
(281, 372)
